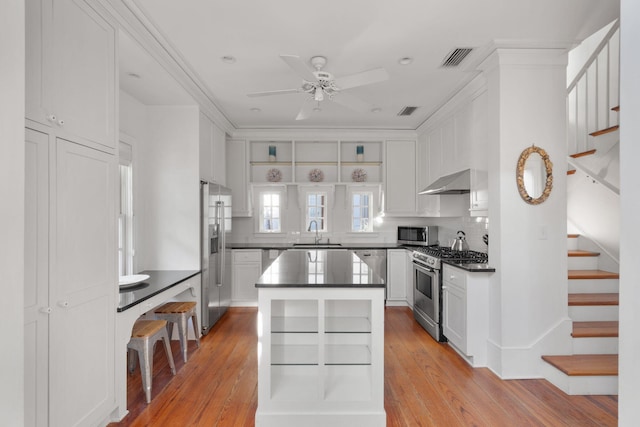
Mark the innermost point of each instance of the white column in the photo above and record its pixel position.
(526, 97)
(629, 378)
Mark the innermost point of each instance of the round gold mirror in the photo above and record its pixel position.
(534, 175)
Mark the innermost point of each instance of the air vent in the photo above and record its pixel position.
(407, 111)
(456, 56)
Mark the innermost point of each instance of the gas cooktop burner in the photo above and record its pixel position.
(446, 253)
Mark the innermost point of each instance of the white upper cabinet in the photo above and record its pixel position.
(237, 176)
(71, 70)
(400, 178)
(212, 152)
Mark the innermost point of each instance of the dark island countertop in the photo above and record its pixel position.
(158, 281)
(319, 269)
(285, 246)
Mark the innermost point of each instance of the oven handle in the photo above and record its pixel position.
(423, 267)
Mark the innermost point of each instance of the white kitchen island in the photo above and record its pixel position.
(320, 341)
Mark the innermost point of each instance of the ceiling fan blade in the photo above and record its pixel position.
(299, 67)
(306, 110)
(351, 102)
(274, 92)
(361, 79)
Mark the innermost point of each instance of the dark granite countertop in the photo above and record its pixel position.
(285, 246)
(473, 268)
(159, 281)
(319, 269)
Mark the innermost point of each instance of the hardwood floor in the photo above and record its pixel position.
(426, 384)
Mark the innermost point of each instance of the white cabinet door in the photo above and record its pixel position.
(237, 177)
(71, 70)
(409, 279)
(247, 268)
(397, 275)
(219, 155)
(83, 286)
(454, 311)
(36, 279)
(400, 178)
(206, 149)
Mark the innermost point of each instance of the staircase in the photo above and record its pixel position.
(592, 368)
(592, 365)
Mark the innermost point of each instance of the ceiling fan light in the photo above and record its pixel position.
(319, 96)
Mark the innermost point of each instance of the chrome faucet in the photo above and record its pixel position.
(318, 238)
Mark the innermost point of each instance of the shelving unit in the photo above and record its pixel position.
(295, 159)
(321, 357)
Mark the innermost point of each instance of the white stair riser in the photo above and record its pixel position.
(580, 385)
(607, 345)
(582, 263)
(572, 243)
(593, 286)
(593, 313)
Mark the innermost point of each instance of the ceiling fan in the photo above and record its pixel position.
(321, 85)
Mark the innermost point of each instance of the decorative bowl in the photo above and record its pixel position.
(359, 175)
(274, 175)
(316, 175)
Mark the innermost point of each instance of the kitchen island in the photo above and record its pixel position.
(320, 341)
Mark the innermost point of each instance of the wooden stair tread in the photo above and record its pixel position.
(599, 329)
(573, 236)
(571, 172)
(604, 131)
(594, 299)
(581, 253)
(585, 364)
(592, 274)
(582, 154)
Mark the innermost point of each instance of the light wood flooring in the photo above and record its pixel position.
(426, 384)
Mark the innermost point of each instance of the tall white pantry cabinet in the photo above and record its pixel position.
(70, 231)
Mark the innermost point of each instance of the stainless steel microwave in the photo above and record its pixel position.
(418, 236)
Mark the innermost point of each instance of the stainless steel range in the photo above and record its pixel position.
(427, 283)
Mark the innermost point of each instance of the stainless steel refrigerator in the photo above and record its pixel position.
(215, 227)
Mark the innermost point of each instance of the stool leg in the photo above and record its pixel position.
(182, 332)
(196, 330)
(170, 328)
(146, 367)
(167, 350)
(131, 357)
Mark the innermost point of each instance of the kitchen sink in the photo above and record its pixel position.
(317, 245)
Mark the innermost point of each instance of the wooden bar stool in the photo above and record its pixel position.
(143, 338)
(179, 313)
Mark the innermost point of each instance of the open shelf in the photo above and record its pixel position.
(294, 354)
(344, 354)
(294, 324)
(342, 324)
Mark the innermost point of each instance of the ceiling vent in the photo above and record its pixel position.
(456, 56)
(407, 111)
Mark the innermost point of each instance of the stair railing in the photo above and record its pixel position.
(593, 93)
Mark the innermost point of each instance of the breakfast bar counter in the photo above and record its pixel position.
(320, 341)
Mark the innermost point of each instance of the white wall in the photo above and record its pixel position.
(168, 201)
(629, 392)
(526, 90)
(12, 72)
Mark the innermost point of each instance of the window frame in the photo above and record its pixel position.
(257, 193)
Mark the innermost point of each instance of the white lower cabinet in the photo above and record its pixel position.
(70, 282)
(246, 270)
(320, 357)
(399, 290)
(465, 313)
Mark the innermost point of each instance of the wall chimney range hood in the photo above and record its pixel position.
(456, 183)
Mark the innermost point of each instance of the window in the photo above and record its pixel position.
(316, 212)
(270, 212)
(361, 211)
(125, 214)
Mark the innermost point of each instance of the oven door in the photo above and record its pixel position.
(426, 302)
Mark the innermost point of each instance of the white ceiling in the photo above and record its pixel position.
(354, 35)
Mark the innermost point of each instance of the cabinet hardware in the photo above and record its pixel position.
(46, 310)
